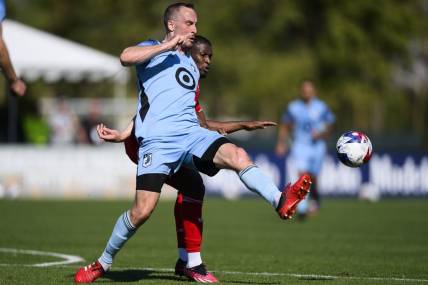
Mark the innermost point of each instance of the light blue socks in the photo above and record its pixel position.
(256, 181)
(122, 231)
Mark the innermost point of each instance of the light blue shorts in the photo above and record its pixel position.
(165, 155)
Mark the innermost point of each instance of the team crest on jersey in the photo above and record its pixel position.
(185, 78)
(147, 159)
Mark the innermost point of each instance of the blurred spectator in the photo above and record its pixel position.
(90, 122)
(65, 127)
(16, 85)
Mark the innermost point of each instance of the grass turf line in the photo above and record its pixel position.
(349, 238)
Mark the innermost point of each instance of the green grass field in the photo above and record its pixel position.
(349, 242)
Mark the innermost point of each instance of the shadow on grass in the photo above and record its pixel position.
(133, 275)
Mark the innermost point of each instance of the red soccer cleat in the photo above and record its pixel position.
(200, 274)
(90, 273)
(292, 195)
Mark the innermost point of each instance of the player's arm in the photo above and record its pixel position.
(111, 135)
(233, 126)
(16, 85)
(141, 53)
(287, 122)
(202, 119)
(283, 135)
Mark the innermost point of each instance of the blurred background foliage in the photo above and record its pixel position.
(353, 50)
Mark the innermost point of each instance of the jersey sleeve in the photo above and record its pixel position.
(140, 67)
(198, 107)
(148, 43)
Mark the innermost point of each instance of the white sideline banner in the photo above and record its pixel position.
(66, 172)
(80, 172)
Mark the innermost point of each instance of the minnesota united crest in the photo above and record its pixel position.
(147, 159)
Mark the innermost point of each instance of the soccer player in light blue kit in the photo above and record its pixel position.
(169, 134)
(311, 121)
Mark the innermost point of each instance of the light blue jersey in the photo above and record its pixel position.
(166, 125)
(306, 118)
(166, 88)
(2, 10)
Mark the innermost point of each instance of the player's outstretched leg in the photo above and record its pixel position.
(230, 156)
(292, 195)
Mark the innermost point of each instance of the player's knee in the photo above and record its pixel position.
(241, 158)
(236, 156)
(233, 157)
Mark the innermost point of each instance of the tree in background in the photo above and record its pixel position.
(264, 48)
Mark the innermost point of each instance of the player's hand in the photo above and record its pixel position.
(254, 125)
(18, 87)
(281, 149)
(177, 41)
(221, 131)
(109, 135)
(317, 135)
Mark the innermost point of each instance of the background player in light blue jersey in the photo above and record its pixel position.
(311, 121)
(16, 85)
(169, 135)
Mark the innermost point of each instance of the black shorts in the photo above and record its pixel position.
(205, 164)
(189, 182)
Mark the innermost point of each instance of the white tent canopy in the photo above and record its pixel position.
(36, 54)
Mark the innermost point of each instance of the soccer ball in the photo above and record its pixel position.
(354, 149)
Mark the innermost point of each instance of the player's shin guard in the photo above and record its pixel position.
(192, 224)
(122, 231)
(256, 181)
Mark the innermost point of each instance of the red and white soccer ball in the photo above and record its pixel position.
(354, 148)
